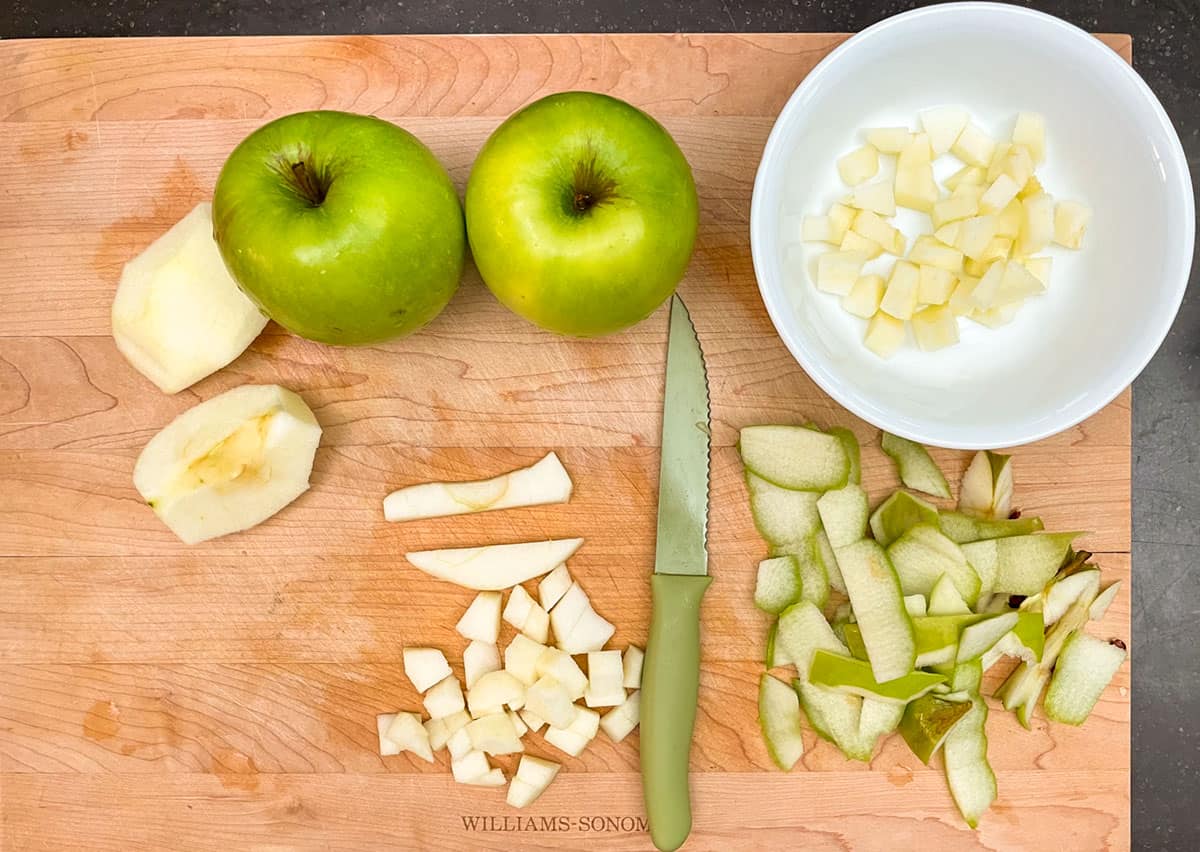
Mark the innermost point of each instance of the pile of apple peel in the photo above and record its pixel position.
(891, 617)
(982, 257)
(536, 682)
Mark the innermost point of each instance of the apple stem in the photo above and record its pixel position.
(308, 183)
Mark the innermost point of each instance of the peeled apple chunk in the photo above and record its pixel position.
(408, 734)
(230, 462)
(494, 567)
(540, 484)
(619, 722)
(425, 667)
(481, 621)
(178, 315)
(533, 777)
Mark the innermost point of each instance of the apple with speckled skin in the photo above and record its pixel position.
(581, 213)
(342, 228)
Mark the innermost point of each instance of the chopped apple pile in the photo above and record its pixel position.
(981, 258)
(891, 617)
(541, 683)
(554, 673)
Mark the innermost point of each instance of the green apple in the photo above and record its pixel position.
(581, 213)
(343, 228)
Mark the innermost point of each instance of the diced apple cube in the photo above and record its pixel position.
(864, 297)
(859, 165)
(1003, 190)
(975, 268)
(1070, 221)
(383, 721)
(885, 335)
(1018, 284)
(916, 189)
(1030, 131)
(533, 720)
(999, 248)
(972, 175)
(943, 125)
(577, 627)
(440, 730)
(975, 234)
(935, 328)
(987, 293)
(1040, 268)
(1008, 220)
(494, 777)
(973, 191)
(478, 659)
(518, 607)
(953, 209)
(555, 584)
(900, 297)
(571, 607)
(605, 676)
(841, 217)
(1032, 187)
(565, 670)
(470, 767)
(495, 734)
(518, 722)
(996, 317)
(947, 235)
(533, 777)
(619, 722)
(917, 152)
(425, 667)
(878, 197)
(854, 241)
(996, 166)
(631, 662)
(573, 739)
(962, 299)
(495, 690)
(481, 621)
(537, 625)
(1018, 165)
(973, 146)
(459, 744)
(935, 285)
(869, 225)
(1037, 225)
(889, 140)
(548, 699)
(407, 732)
(836, 273)
(928, 251)
(444, 699)
(521, 657)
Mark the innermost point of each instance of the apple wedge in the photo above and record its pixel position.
(178, 315)
(497, 566)
(230, 462)
(538, 485)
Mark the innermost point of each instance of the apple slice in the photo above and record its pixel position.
(540, 484)
(573, 739)
(632, 665)
(494, 734)
(425, 667)
(496, 566)
(481, 621)
(408, 734)
(178, 315)
(444, 698)
(533, 777)
(478, 659)
(606, 686)
(230, 462)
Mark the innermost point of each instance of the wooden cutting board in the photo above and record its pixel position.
(157, 696)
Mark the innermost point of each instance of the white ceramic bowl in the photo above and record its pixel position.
(1110, 144)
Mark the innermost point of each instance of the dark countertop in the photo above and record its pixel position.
(1166, 399)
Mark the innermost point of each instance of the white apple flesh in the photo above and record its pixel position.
(178, 315)
(540, 484)
(230, 462)
(494, 567)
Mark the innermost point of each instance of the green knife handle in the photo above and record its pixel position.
(670, 683)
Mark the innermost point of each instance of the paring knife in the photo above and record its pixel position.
(671, 673)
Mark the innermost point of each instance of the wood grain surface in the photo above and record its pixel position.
(156, 696)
